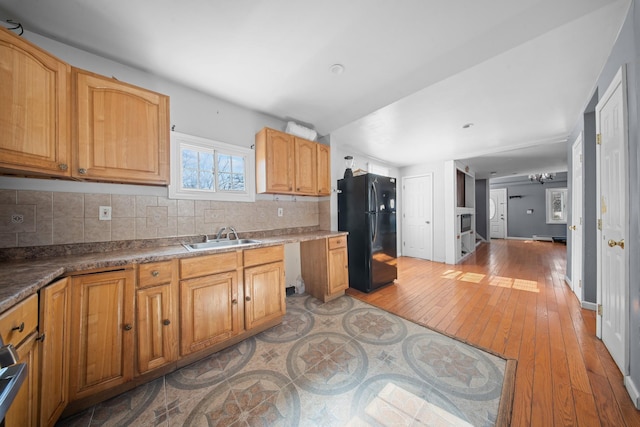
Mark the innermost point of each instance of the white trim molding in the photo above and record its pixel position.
(632, 390)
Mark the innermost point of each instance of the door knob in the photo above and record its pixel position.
(573, 228)
(612, 243)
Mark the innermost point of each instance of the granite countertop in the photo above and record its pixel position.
(20, 279)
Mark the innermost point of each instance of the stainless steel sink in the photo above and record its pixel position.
(221, 243)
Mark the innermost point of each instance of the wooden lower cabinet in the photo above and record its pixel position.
(24, 409)
(264, 294)
(156, 315)
(102, 335)
(209, 311)
(157, 327)
(55, 311)
(325, 267)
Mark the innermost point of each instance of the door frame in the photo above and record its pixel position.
(577, 201)
(620, 79)
(404, 198)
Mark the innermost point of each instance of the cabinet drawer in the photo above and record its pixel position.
(337, 242)
(18, 322)
(209, 264)
(154, 273)
(263, 255)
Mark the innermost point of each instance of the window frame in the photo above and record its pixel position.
(181, 140)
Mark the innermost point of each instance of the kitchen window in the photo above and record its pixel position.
(210, 170)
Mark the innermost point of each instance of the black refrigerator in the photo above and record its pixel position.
(367, 210)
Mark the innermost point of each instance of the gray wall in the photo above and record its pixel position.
(626, 51)
(532, 196)
(482, 197)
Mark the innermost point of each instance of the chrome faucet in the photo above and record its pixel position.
(232, 230)
(222, 230)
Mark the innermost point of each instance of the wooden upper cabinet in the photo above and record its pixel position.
(274, 162)
(286, 164)
(121, 132)
(305, 167)
(34, 109)
(324, 169)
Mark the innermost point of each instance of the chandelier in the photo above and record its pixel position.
(541, 177)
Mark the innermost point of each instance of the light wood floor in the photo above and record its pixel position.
(510, 297)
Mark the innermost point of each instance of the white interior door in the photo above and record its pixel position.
(613, 289)
(498, 213)
(417, 216)
(576, 226)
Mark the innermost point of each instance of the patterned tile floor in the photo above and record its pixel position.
(335, 364)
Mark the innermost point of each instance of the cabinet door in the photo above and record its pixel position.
(34, 112)
(264, 294)
(209, 311)
(24, 409)
(278, 162)
(305, 167)
(156, 327)
(324, 169)
(122, 131)
(338, 270)
(55, 304)
(102, 336)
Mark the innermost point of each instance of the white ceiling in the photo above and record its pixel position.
(415, 70)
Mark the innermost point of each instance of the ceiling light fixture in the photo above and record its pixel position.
(541, 177)
(337, 68)
(467, 125)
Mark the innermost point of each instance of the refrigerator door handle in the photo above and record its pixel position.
(375, 196)
(374, 227)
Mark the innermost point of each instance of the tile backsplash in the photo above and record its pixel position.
(37, 218)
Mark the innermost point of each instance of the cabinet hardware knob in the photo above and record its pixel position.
(63, 166)
(166, 322)
(128, 327)
(18, 328)
(155, 273)
(247, 298)
(82, 171)
(234, 301)
(40, 338)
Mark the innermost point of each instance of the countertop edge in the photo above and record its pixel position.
(21, 279)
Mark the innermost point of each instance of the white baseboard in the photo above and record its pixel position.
(568, 282)
(519, 238)
(633, 391)
(589, 305)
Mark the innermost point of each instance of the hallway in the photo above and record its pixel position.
(510, 297)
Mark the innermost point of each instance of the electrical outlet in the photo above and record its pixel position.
(105, 213)
(280, 212)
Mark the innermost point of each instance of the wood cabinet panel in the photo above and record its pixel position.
(338, 270)
(264, 294)
(24, 409)
(305, 167)
(274, 162)
(210, 264)
(55, 311)
(286, 164)
(102, 335)
(323, 169)
(157, 327)
(325, 267)
(34, 112)
(121, 131)
(18, 322)
(209, 311)
(263, 255)
(155, 273)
